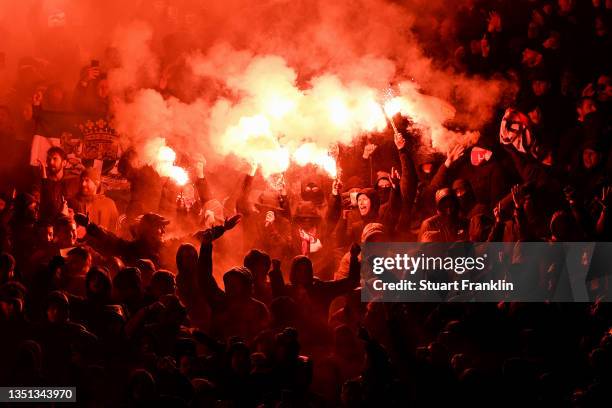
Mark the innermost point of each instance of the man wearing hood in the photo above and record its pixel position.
(149, 241)
(313, 295)
(448, 224)
(234, 310)
(266, 221)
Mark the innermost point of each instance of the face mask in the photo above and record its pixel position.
(384, 194)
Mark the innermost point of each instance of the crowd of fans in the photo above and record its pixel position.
(94, 294)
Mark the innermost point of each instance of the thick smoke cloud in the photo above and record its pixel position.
(260, 79)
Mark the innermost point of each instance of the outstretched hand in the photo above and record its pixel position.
(355, 249)
(454, 154)
(81, 219)
(395, 177)
(232, 221)
(399, 140)
(517, 196)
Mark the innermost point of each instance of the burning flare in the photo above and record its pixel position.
(166, 168)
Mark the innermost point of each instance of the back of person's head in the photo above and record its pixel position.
(141, 387)
(128, 284)
(7, 267)
(301, 272)
(147, 269)
(258, 262)
(162, 283)
(58, 307)
(126, 162)
(238, 282)
(64, 231)
(284, 311)
(186, 258)
(78, 261)
(57, 150)
(287, 347)
(240, 358)
(98, 285)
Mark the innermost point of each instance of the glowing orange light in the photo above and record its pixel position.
(166, 168)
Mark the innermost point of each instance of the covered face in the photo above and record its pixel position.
(383, 186)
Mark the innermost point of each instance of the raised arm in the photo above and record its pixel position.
(206, 281)
(103, 240)
(277, 283)
(335, 288)
(409, 180)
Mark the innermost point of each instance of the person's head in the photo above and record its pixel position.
(26, 208)
(311, 191)
(162, 283)
(604, 88)
(464, 193)
(238, 283)
(601, 27)
(585, 106)
(563, 227)
(591, 154)
(553, 42)
(446, 203)
(65, 232)
(301, 273)
(152, 228)
(7, 268)
(56, 161)
(531, 58)
(78, 262)
(98, 286)
(240, 358)
(258, 263)
(141, 387)
(186, 259)
(383, 186)
(46, 234)
(540, 86)
(373, 232)
(103, 87)
(127, 285)
(54, 97)
(565, 6)
(283, 311)
(128, 163)
(146, 268)
(368, 202)
(58, 308)
(90, 181)
(287, 346)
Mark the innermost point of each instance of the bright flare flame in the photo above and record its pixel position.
(393, 106)
(166, 168)
(310, 153)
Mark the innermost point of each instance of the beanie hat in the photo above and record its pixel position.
(372, 229)
(374, 199)
(93, 174)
